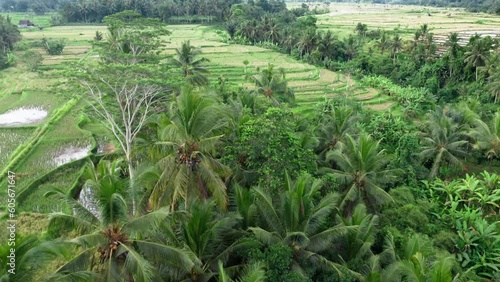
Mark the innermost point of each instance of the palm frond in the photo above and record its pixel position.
(137, 266)
(178, 258)
(264, 236)
(323, 240)
(149, 221)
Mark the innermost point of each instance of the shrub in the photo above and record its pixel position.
(53, 47)
(98, 36)
(22, 46)
(56, 20)
(32, 59)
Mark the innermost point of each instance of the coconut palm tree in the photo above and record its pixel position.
(490, 69)
(442, 140)
(113, 246)
(487, 138)
(252, 273)
(273, 34)
(30, 257)
(454, 49)
(383, 43)
(356, 246)
(207, 236)
(188, 60)
(351, 46)
(288, 39)
(362, 167)
(249, 30)
(396, 45)
(187, 162)
(477, 56)
(419, 263)
(333, 129)
(307, 42)
(298, 220)
(494, 86)
(273, 85)
(328, 45)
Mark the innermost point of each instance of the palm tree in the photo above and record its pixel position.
(419, 263)
(92, 175)
(383, 43)
(30, 257)
(269, 29)
(307, 42)
(494, 86)
(191, 65)
(333, 129)
(490, 69)
(112, 247)
(477, 55)
(207, 236)
(362, 168)
(442, 140)
(288, 41)
(328, 45)
(189, 137)
(356, 246)
(396, 45)
(298, 220)
(231, 28)
(361, 29)
(351, 46)
(454, 48)
(252, 273)
(488, 137)
(263, 27)
(249, 30)
(273, 85)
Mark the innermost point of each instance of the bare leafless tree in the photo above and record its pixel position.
(124, 102)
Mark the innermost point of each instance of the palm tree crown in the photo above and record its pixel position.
(362, 167)
(189, 138)
(191, 64)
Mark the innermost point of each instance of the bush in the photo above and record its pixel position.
(6, 60)
(32, 59)
(53, 47)
(57, 20)
(22, 46)
(445, 240)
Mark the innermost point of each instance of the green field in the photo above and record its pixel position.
(43, 21)
(343, 18)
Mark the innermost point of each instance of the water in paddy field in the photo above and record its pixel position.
(71, 153)
(22, 116)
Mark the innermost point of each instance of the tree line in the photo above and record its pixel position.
(174, 11)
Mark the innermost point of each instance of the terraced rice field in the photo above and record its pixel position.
(310, 84)
(34, 149)
(343, 18)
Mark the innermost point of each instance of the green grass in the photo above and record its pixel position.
(43, 20)
(343, 18)
(36, 202)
